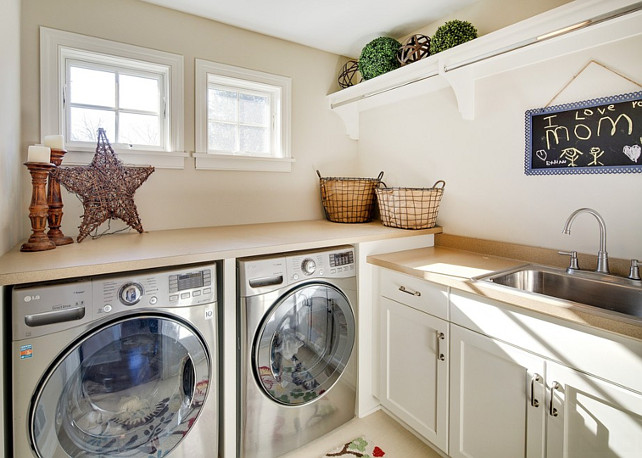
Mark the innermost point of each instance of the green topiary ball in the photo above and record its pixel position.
(378, 57)
(452, 33)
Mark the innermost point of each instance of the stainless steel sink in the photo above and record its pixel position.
(607, 292)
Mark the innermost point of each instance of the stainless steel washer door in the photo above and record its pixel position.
(132, 388)
(303, 344)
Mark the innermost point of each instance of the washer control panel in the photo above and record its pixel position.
(40, 309)
(170, 288)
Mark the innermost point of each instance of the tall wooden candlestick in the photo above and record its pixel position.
(38, 208)
(54, 201)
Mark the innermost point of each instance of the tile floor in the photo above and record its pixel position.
(393, 439)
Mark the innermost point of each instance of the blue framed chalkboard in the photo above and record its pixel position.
(593, 136)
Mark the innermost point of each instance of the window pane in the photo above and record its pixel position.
(92, 87)
(254, 109)
(85, 123)
(221, 137)
(139, 93)
(138, 129)
(254, 140)
(221, 105)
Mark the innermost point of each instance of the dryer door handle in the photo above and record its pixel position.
(188, 379)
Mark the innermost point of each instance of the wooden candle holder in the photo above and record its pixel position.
(54, 201)
(38, 209)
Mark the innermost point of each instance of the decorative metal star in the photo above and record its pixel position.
(106, 188)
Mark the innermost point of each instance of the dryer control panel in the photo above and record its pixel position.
(267, 273)
(337, 263)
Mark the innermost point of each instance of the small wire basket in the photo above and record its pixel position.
(410, 208)
(348, 200)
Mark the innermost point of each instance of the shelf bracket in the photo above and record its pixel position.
(349, 114)
(462, 81)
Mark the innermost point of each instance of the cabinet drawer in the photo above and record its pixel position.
(414, 292)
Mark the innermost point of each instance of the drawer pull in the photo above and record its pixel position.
(403, 289)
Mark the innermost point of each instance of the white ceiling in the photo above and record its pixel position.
(338, 26)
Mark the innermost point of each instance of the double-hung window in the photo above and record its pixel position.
(242, 119)
(134, 93)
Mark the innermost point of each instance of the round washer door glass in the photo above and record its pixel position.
(304, 344)
(133, 388)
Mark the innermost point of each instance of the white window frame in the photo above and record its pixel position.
(57, 46)
(280, 88)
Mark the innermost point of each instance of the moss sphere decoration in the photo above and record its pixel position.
(378, 57)
(451, 34)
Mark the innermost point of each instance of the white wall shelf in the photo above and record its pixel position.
(570, 28)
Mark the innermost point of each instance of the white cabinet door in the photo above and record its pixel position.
(497, 398)
(414, 369)
(591, 418)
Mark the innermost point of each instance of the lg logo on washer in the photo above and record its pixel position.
(32, 298)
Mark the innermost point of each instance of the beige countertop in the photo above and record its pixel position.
(134, 251)
(456, 268)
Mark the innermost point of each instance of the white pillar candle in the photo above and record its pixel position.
(39, 153)
(55, 141)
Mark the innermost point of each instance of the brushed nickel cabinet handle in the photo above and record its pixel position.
(403, 289)
(552, 410)
(535, 379)
(440, 336)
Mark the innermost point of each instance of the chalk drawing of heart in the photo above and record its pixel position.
(633, 152)
(541, 154)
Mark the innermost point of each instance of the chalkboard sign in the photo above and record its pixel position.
(595, 136)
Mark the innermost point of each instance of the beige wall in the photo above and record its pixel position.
(487, 194)
(191, 198)
(12, 174)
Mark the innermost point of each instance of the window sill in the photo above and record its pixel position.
(158, 159)
(205, 161)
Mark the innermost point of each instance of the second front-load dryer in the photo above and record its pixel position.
(297, 353)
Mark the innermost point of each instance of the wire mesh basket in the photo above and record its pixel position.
(410, 208)
(348, 200)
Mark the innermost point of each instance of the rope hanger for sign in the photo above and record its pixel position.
(560, 142)
(592, 61)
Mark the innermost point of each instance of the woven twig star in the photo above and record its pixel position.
(106, 188)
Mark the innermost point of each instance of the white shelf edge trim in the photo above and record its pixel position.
(569, 28)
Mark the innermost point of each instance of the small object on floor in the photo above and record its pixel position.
(359, 447)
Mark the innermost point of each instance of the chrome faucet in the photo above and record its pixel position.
(602, 255)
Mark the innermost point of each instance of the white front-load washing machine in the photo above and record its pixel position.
(117, 366)
(297, 350)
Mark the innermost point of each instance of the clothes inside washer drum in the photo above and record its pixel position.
(126, 400)
(140, 427)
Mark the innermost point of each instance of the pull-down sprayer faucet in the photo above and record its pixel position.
(602, 255)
